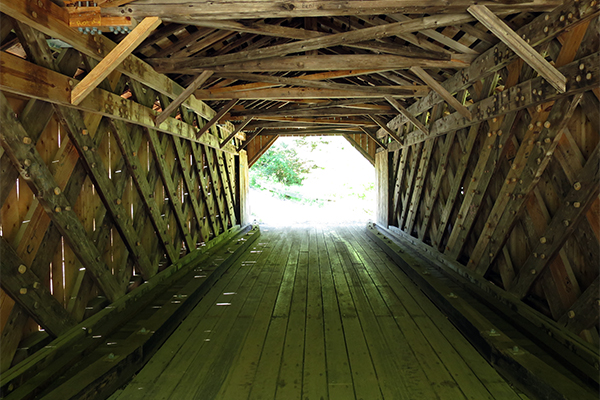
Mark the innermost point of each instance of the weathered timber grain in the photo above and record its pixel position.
(41, 181)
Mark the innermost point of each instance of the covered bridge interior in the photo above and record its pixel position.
(130, 268)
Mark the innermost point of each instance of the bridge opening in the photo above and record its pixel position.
(312, 180)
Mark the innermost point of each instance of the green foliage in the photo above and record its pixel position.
(312, 142)
(281, 163)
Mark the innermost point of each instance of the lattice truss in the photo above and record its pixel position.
(92, 206)
(512, 194)
(500, 176)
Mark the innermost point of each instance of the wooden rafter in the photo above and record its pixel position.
(16, 73)
(314, 44)
(537, 34)
(519, 46)
(224, 110)
(285, 9)
(316, 77)
(301, 82)
(113, 59)
(235, 132)
(407, 114)
(200, 79)
(311, 63)
(439, 89)
(382, 124)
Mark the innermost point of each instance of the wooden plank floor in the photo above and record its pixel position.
(316, 313)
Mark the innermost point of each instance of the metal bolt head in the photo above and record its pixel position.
(571, 314)
(26, 140)
(576, 204)
(577, 185)
(22, 269)
(23, 290)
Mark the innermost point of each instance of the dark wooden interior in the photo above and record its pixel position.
(127, 129)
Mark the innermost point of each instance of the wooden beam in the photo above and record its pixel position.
(503, 103)
(485, 65)
(410, 183)
(224, 110)
(313, 77)
(320, 104)
(209, 196)
(583, 314)
(492, 151)
(407, 114)
(114, 58)
(439, 89)
(564, 222)
(28, 290)
(519, 46)
(232, 134)
(191, 186)
(218, 189)
(200, 79)
(361, 35)
(322, 112)
(113, 3)
(26, 158)
(225, 183)
(80, 137)
(415, 202)
(310, 63)
(300, 93)
(53, 24)
(381, 90)
(372, 136)
(522, 179)
(261, 28)
(299, 124)
(308, 121)
(383, 125)
(249, 139)
(171, 189)
(436, 185)
(455, 186)
(17, 74)
(252, 9)
(316, 130)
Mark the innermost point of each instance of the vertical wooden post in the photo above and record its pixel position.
(381, 170)
(243, 180)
